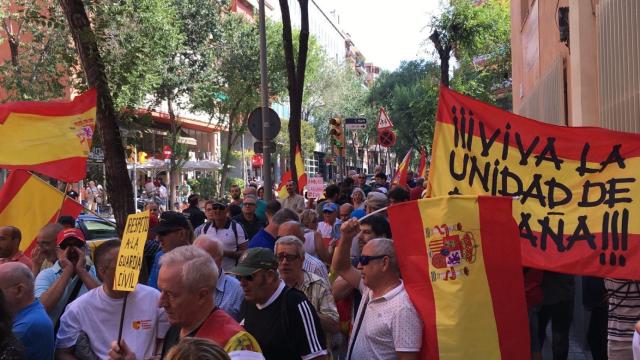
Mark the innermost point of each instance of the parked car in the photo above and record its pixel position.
(96, 230)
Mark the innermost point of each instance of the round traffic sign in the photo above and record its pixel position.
(255, 124)
(386, 138)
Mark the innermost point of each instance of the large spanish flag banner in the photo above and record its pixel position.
(29, 203)
(460, 263)
(575, 187)
(52, 138)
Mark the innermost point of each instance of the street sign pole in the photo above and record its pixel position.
(264, 94)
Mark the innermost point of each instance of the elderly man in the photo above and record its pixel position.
(44, 254)
(229, 294)
(261, 205)
(68, 278)
(310, 263)
(250, 222)
(188, 278)
(228, 231)
(31, 324)
(290, 254)
(173, 230)
(293, 201)
(282, 320)
(10, 237)
(387, 325)
(97, 314)
(329, 228)
(345, 211)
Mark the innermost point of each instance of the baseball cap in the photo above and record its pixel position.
(253, 260)
(72, 233)
(329, 207)
(170, 220)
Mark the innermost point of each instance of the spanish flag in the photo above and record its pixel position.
(460, 263)
(400, 177)
(52, 138)
(286, 177)
(422, 167)
(29, 203)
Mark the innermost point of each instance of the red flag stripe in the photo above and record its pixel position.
(82, 102)
(415, 273)
(67, 170)
(14, 183)
(498, 256)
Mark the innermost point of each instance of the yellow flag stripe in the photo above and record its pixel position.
(34, 205)
(34, 139)
(465, 321)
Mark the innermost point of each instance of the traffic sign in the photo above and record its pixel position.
(255, 123)
(257, 147)
(355, 123)
(386, 138)
(383, 120)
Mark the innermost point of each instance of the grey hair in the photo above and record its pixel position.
(308, 216)
(21, 274)
(384, 246)
(252, 197)
(283, 215)
(208, 240)
(290, 240)
(198, 268)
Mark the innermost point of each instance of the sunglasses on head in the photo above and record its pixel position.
(365, 259)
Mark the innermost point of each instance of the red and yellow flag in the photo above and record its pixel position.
(52, 138)
(422, 167)
(576, 187)
(286, 177)
(400, 177)
(460, 263)
(29, 203)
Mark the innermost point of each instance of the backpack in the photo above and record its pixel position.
(234, 228)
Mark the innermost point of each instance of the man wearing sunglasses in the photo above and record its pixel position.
(173, 230)
(282, 320)
(228, 231)
(387, 325)
(68, 278)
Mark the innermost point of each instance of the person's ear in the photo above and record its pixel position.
(203, 293)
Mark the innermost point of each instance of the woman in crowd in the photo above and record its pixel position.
(357, 199)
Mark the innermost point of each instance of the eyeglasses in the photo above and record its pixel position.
(365, 259)
(282, 256)
(66, 244)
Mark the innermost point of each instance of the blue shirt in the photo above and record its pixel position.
(358, 213)
(262, 239)
(33, 327)
(229, 295)
(47, 277)
(155, 270)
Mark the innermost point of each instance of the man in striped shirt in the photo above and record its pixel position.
(281, 319)
(624, 312)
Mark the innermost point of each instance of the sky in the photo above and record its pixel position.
(386, 31)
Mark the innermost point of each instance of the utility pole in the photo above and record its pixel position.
(264, 94)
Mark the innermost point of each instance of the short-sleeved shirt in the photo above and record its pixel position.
(390, 324)
(33, 327)
(330, 231)
(263, 239)
(47, 277)
(20, 257)
(229, 295)
(286, 326)
(230, 239)
(98, 315)
(295, 203)
(155, 270)
(314, 265)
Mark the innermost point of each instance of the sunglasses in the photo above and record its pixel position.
(215, 207)
(365, 259)
(249, 204)
(282, 256)
(66, 244)
(249, 277)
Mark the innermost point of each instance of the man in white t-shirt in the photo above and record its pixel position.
(329, 228)
(387, 325)
(220, 226)
(97, 313)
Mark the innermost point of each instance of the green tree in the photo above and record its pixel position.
(42, 62)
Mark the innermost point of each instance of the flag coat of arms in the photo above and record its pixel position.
(460, 263)
(576, 188)
(52, 138)
(29, 203)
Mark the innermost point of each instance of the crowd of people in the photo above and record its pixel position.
(293, 278)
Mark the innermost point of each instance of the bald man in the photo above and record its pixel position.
(10, 237)
(31, 324)
(229, 294)
(311, 263)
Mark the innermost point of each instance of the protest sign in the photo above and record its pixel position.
(131, 251)
(574, 189)
(315, 187)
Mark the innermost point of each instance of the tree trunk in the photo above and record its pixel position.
(444, 53)
(119, 188)
(295, 76)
